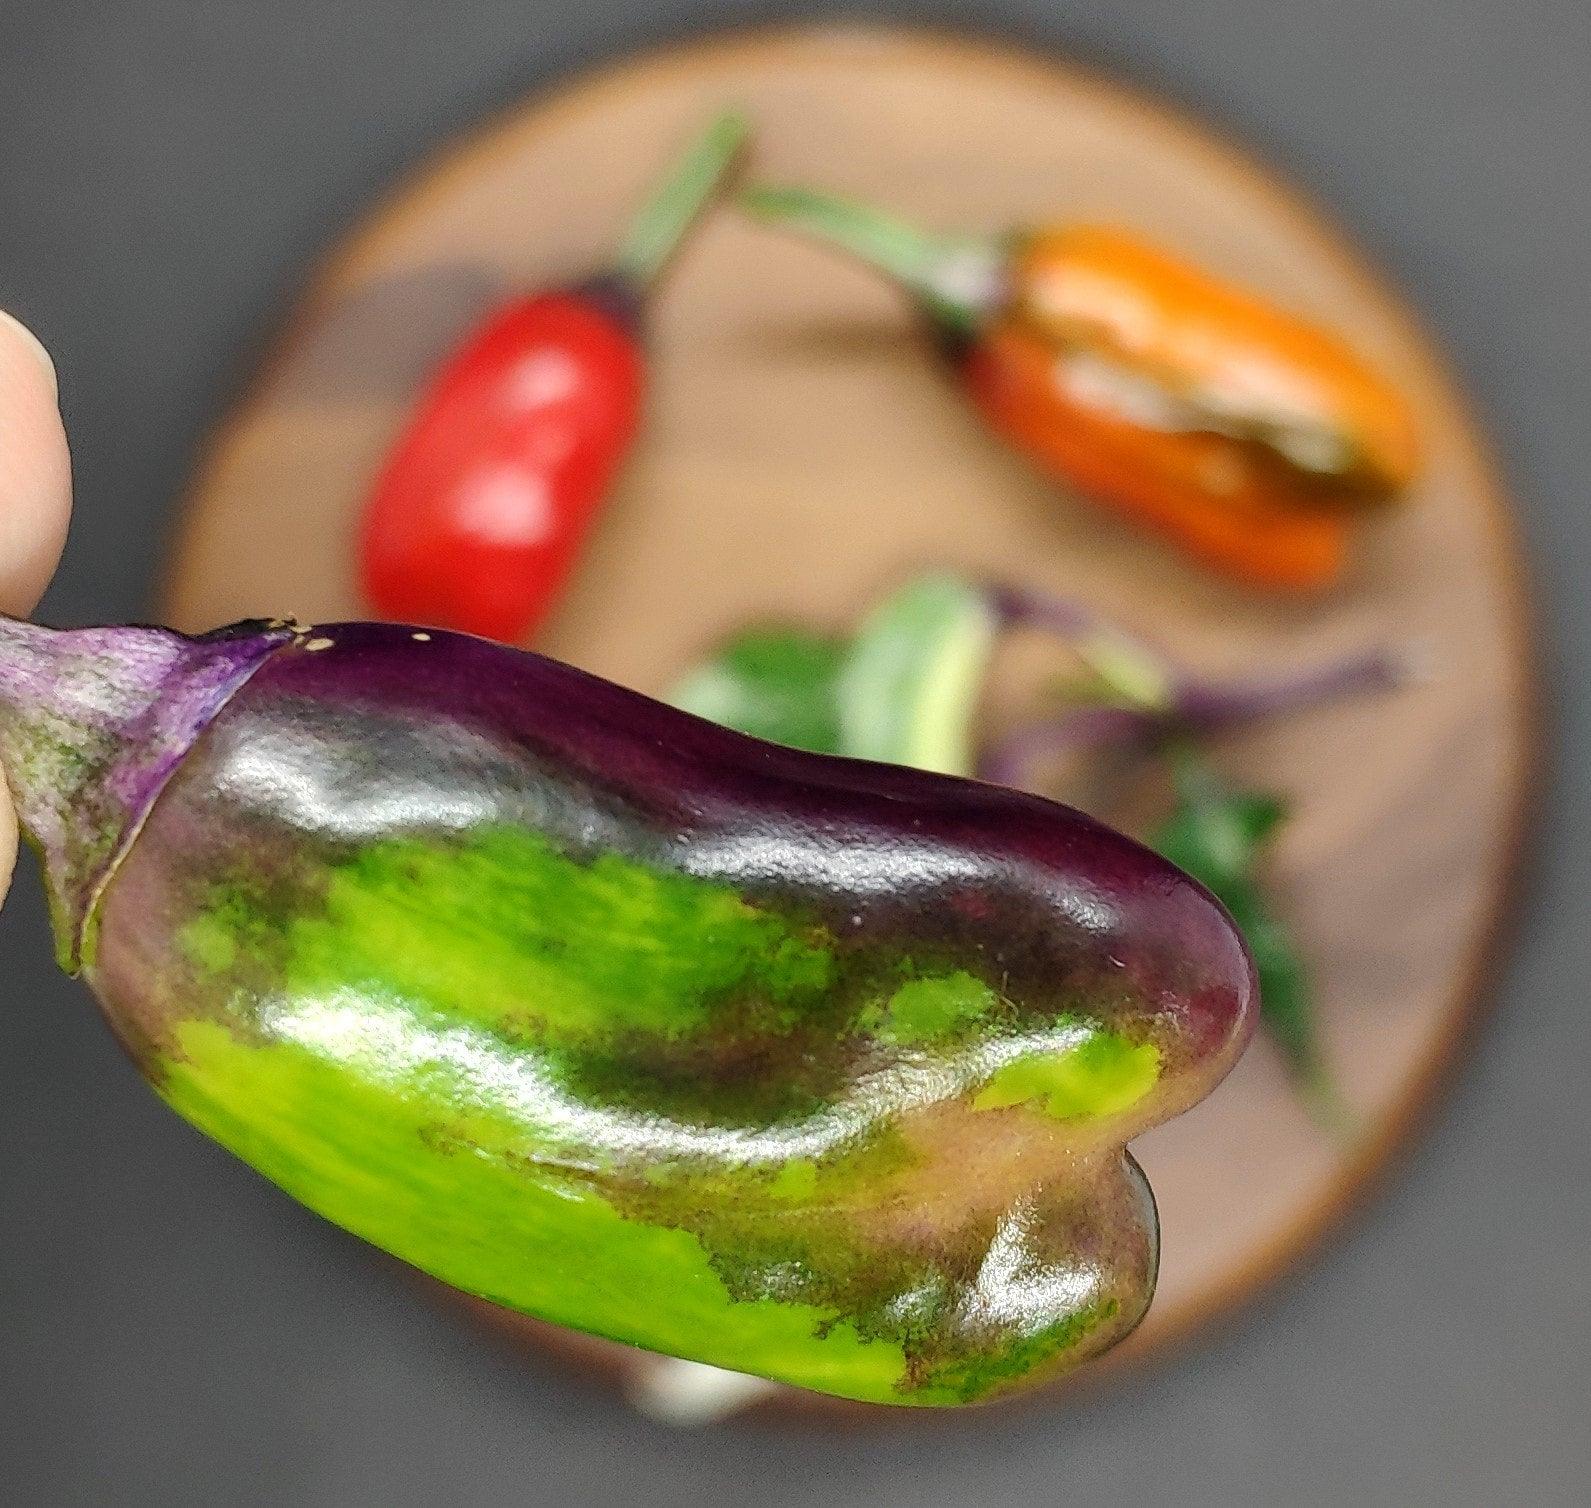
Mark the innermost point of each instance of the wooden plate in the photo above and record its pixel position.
(804, 450)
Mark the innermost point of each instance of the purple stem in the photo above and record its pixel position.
(1023, 607)
(1196, 705)
(1204, 706)
(1011, 761)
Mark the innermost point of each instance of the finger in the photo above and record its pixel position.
(8, 840)
(35, 475)
(35, 495)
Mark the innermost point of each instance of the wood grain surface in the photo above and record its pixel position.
(805, 450)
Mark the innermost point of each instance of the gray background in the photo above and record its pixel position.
(177, 1332)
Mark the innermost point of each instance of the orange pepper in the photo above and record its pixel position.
(1245, 434)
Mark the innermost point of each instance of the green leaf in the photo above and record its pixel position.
(903, 692)
(1222, 837)
(910, 687)
(774, 683)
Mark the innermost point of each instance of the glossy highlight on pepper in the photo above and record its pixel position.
(802, 1066)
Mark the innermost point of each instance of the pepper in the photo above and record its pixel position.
(477, 516)
(807, 1067)
(1249, 437)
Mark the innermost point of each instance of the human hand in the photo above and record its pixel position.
(35, 497)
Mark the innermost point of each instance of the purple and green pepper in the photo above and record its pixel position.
(804, 1066)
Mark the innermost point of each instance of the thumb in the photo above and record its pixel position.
(8, 841)
(35, 495)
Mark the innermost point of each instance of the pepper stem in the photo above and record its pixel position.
(1149, 695)
(659, 227)
(959, 279)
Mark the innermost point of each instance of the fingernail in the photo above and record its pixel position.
(32, 343)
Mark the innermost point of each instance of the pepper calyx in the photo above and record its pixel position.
(93, 722)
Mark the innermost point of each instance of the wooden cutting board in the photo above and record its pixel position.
(804, 450)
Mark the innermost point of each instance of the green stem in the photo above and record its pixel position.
(1324, 1103)
(959, 279)
(660, 226)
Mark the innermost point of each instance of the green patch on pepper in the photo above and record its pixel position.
(967, 1381)
(488, 1054)
(491, 1224)
(534, 943)
(932, 1009)
(1102, 1076)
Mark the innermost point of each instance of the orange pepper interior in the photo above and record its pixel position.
(1228, 502)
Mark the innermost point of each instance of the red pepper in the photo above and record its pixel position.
(481, 508)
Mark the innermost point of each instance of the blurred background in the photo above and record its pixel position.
(176, 1333)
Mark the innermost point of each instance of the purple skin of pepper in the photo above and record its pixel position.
(145, 764)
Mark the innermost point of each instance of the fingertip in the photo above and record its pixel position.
(8, 840)
(12, 329)
(35, 471)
